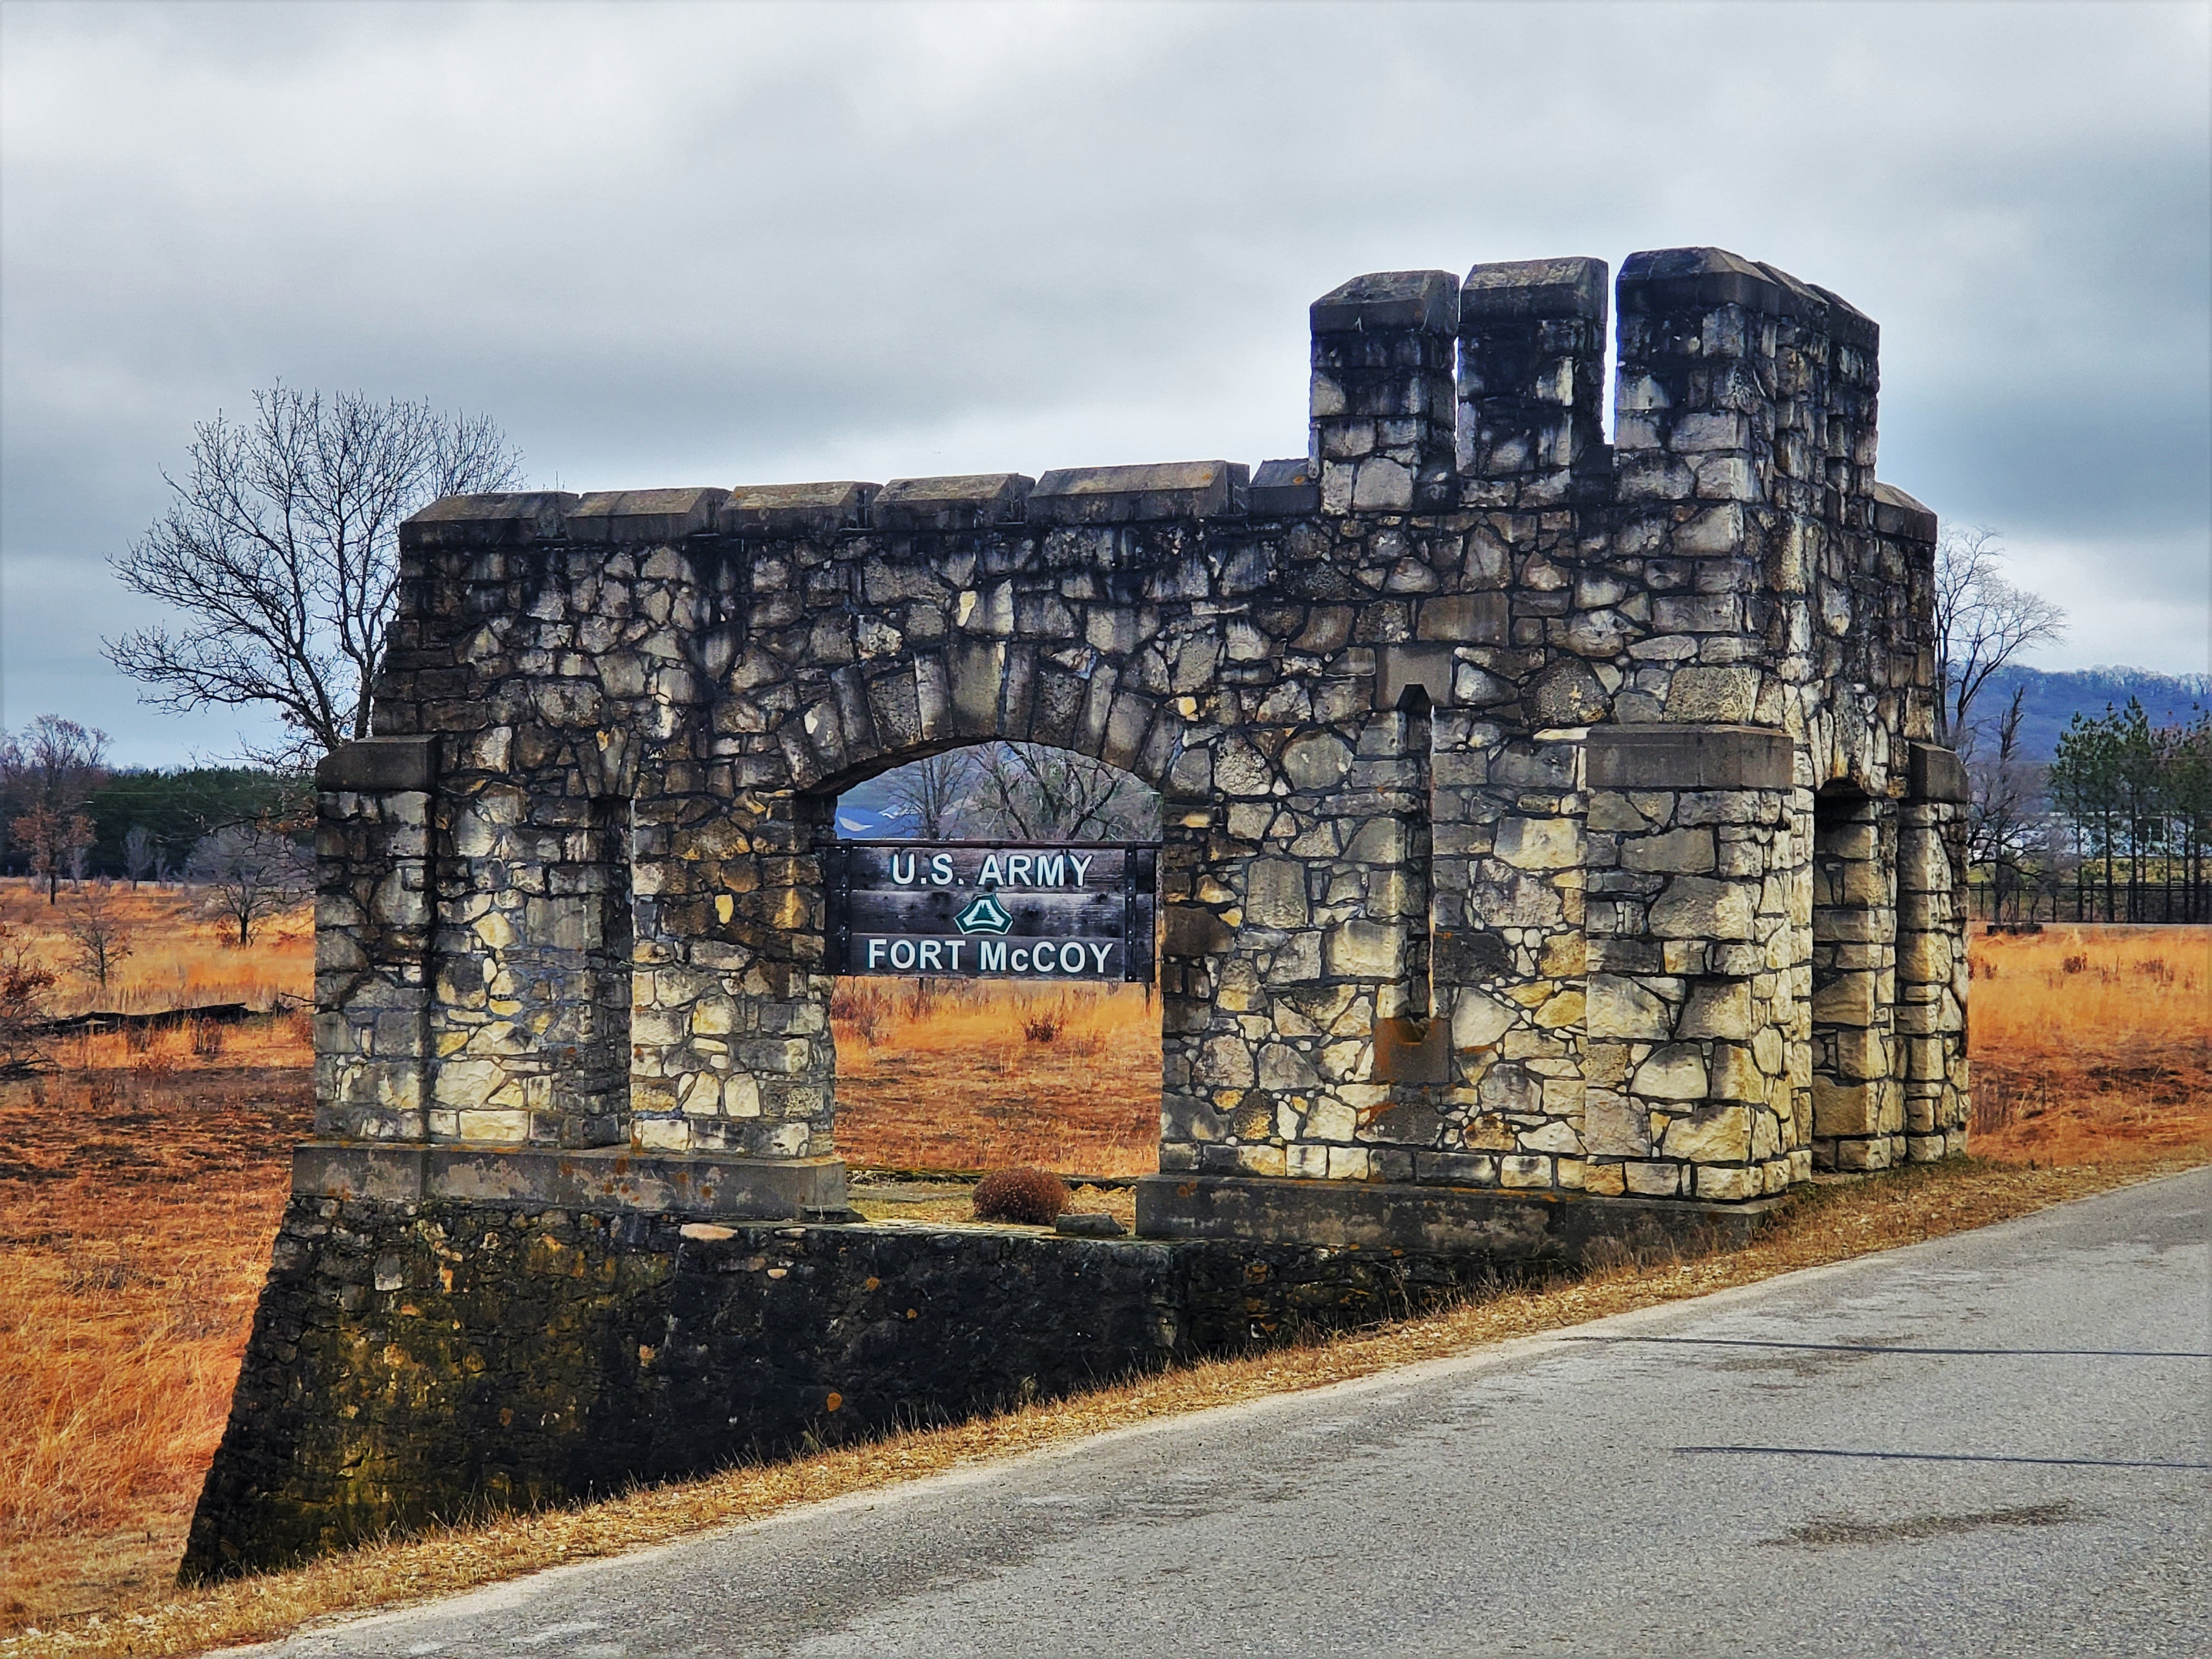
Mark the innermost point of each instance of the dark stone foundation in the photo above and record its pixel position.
(1540, 1227)
(417, 1361)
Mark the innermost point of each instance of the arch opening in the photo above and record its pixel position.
(1034, 1046)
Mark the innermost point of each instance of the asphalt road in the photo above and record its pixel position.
(1996, 1443)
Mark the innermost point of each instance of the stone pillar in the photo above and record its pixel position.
(532, 1018)
(731, 1035)
(1197, 904)
(1858, 1107)
(1531, 381)
(1931, 955)
(1507, 954)
(1693, 423)
(1294, 965)
(1693, 436)
(372, 937)
(1691, 1004)
(1383, 404)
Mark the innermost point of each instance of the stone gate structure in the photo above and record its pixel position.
(1553, 846)
(1542, 814)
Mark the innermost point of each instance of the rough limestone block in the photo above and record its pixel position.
(1130, 494)
(968, 501)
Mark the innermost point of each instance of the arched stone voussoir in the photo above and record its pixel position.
(1125, 729)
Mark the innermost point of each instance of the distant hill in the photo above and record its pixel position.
(2052, 700)
(857, 821)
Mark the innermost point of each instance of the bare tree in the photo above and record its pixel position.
(2003, 821)
(142, 855)
(98, 937)
(250, 873)
(1982, 623)
(56, 841)
(280, 549)
(1040, 793)
(48, 772)
(930, 791)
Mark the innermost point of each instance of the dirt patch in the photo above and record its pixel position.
(1916, 1529)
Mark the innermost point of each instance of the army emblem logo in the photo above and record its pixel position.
(983, 914)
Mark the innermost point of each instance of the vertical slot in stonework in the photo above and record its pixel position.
(1414, 785)
(579, 954)
(602, 1084)
(1413, 1051)
(1858, 1109)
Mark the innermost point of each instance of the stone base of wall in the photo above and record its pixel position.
(1529, 1228)
(415, 1361)
(726, 1188)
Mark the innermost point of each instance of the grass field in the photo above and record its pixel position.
(141, 1182)
(2091, 1042)
(989, 1075)
(180, 957)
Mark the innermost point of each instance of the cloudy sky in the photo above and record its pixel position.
(725, 244)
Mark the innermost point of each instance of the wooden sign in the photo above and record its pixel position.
(974, 909)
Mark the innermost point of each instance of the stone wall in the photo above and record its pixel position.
(414, 1361)
(1494, 758)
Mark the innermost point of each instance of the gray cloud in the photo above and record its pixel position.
(705, 244)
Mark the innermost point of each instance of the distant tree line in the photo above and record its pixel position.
(2135, 801)
(2115, 826)
(171, 811)
(2112, 826)
(66, 816)
(239, 834)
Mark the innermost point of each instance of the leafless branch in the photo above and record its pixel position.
(249, 874)
(281, 550)
(930, 792)
(1982, 623)
(1040, 793)
(97, 935)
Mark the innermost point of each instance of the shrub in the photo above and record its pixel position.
(23, 984)
(1033, 1197)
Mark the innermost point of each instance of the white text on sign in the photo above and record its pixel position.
(990, 956)
(997, 870)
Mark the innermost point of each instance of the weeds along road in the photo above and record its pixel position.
(1994, 1443)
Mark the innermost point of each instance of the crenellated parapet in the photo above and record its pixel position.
(1546, 814)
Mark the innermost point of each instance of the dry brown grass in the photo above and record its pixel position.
(139, 1190)
(2092, 1042)
(995, 1074)
(180, 957)
(137, 1204)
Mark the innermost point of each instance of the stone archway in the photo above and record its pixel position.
(1490, 751)
(1485, 748)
